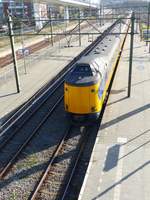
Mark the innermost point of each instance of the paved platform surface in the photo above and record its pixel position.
(119, 168)
(41, 67)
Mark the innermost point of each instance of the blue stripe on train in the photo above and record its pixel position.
(102, 87)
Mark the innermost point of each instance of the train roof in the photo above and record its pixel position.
(86, 59)
(102, 52)
(90, 59)
(98, 62)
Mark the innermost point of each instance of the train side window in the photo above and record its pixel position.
(96, 66)
(99, 66)
(100, 74)
(94, 71)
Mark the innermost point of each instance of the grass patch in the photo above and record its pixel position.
(4, 41)
(29, 161)
(13, 195)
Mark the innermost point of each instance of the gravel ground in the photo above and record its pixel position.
(20, 182)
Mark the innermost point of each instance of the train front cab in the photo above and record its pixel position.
(83, 102)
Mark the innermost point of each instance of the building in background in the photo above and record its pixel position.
(24, 10)
(1, 10)
(40, 14)
(19, 9)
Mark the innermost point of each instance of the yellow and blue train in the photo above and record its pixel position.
(86, 85)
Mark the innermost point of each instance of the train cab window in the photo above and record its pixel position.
(85, 69)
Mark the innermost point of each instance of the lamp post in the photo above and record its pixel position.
(148, 22)
(131, 53)
(11, 36)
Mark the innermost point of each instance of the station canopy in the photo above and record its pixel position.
(75, 3)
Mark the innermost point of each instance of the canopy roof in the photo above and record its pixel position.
(76, 3)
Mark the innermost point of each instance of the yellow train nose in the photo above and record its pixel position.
(82, 100)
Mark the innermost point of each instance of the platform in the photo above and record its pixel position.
(119, 168)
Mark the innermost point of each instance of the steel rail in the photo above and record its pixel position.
(50, 163)
(10, 163)
(82, 145)
(52, 160)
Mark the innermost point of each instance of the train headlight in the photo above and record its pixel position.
(93, 109)
(93, 90)
(66, 107)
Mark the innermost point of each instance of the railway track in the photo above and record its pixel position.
(29, 110)
(25, 136)
(55, 180)
(6, 60)
(21, 136)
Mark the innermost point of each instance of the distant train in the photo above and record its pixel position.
(86, 85)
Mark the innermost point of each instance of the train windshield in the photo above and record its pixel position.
(86, 69)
